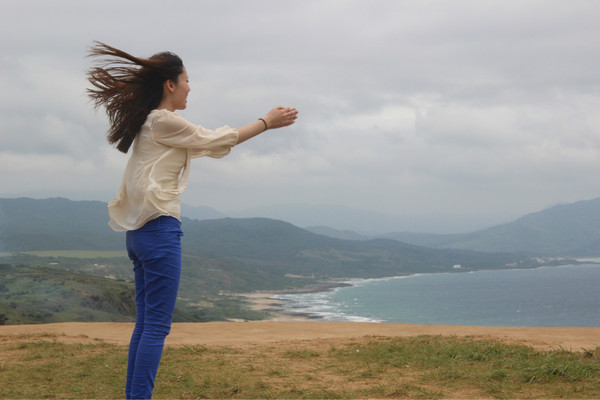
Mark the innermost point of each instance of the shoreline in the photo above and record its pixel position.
(264, 300)
(267, 301)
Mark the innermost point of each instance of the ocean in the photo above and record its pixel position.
(567, 296)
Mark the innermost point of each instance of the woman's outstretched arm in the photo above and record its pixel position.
(278, 117)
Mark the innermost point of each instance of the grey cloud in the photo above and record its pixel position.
(407, 107)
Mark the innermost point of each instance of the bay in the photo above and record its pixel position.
(566, 296)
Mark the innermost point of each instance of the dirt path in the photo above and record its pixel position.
(243, 334)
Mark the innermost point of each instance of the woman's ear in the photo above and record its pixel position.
(169, 86)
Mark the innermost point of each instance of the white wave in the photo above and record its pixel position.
(318, 305)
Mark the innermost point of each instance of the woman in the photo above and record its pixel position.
(141, 96)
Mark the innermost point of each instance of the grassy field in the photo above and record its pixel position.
(370, 367)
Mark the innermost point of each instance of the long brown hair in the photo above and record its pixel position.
(129, 88)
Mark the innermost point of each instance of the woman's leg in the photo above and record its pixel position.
(158, 248)
(139, 322)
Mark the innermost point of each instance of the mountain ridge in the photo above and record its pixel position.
(571, 229)
(270, 246)
(221, 257)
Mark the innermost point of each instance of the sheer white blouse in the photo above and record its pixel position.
(158, 168)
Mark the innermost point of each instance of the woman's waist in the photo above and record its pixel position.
(164, 220)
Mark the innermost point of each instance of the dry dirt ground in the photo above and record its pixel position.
(244, 334)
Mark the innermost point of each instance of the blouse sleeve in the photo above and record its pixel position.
(172, 130)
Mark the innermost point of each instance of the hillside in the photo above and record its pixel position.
(270, 245)
(221, 257)
(566, 230)
(50, 224)
(277, 248)
(231, 254)
(37, 294)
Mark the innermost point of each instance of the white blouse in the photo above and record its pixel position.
(158, 168)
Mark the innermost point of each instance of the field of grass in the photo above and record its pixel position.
(369, 367)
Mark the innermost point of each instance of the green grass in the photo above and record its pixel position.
(41, 295)
(44, 294)
(417, 367)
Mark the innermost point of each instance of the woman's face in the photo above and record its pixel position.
(180, 93)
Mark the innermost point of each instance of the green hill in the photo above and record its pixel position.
(60, 253)
(51, 224)
(244, 246)
(55, 224)
(36, 294)
(277, 248)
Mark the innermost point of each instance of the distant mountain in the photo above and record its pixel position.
(268, 247)
(200, 212)
(221, 257)
(49, 224)
(57, 223)
(362, 221)
(337, 233)
(340, 217)
(567, 229)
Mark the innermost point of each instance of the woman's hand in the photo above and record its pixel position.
(276, 118)
(280, 117)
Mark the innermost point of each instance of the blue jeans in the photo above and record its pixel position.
(155, 250)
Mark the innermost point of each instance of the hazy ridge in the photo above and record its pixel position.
(221, 257)
(566, 229)
(571, 230)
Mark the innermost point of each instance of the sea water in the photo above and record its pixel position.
(566, 296)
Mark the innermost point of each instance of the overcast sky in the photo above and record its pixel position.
(473, 111)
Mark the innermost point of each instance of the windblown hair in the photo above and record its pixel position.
(129, 88)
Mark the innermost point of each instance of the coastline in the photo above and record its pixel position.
(286, 306)
(265, 301)
(284, 328)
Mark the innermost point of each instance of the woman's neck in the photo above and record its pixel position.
(166, 105)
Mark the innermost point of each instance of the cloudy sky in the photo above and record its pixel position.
(469, 113)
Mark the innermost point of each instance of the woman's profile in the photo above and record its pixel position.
(140, 96)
